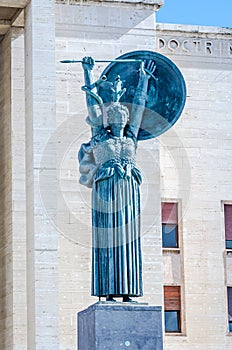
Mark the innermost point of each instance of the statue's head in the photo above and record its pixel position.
(117, 114)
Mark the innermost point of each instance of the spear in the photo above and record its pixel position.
(103, 61)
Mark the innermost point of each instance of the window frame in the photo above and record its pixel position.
(228, 321)
(175, 228)
(163, 223)
(170, 308)
(173, 252)
(226, 204)
(178, 331)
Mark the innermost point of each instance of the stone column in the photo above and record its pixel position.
(42, 282)
(6, 265)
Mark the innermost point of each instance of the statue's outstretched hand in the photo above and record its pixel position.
(88, 63)
(148, 69)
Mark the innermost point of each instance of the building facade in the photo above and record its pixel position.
(45, 216)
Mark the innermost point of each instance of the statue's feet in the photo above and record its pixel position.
(110, 298)
(127, 299)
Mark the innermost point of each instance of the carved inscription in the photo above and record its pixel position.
(195, 47)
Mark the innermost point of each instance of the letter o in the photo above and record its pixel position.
(173, 44)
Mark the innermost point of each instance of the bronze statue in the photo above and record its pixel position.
(108, 165)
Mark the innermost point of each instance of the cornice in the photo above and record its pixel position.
(156, 4)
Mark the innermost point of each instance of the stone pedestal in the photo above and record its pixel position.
(115, 326)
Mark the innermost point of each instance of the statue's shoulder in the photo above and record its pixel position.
(100, 137)
(129, 133)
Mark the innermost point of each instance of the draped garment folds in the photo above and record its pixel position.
(107, 163)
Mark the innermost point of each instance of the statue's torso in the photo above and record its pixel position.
(115, 149)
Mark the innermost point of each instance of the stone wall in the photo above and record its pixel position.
(196, 167)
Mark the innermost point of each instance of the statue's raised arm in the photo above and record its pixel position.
(93, 100)
(146, 71)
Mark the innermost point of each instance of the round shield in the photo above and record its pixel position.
(166, 93)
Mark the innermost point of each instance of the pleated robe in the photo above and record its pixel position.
(116, 251)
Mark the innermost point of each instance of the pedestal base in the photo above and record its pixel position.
(115, 326)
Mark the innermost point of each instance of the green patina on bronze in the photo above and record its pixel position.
(133, 100)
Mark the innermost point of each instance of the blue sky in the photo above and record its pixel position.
(200, 12)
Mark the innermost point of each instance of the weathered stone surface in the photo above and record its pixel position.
(153, 3)
(120, 326)
(40, 116)
(195, 44)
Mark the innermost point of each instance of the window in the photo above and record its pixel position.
(229, 298)
(169, 225)
(228, 225)
(172, 307)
